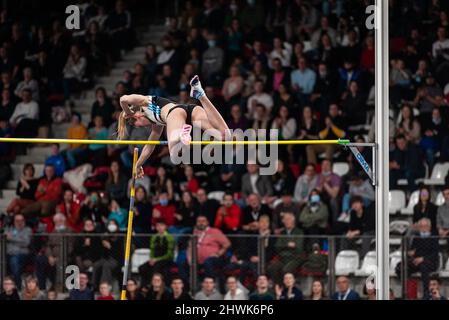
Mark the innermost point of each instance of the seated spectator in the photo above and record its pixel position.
(233, 86)
(286, 125)
(47, 195)
(317, 291)
(157, 289)
(185, 214)
(191, 183)
(28, 83)
(84, 292)
(434, 133)
(56, 160)
(142, 212)
(288, 248)
(257, 73)
(7, 106)
(211, 248)
(71, 209)
(229, 215)
(97, 152)
(9, 292)
(87, 248)
(105, 291)
(261, 292)
(94, 210)
(234, 292)
(357, 187)
(212, 60)
(116, 184)
(52, 295)
(76, 130)
(303, 81)
(102, 107)
(406, 162)
(74, 71)
(435, 289)
(164, 210)
(428, 95)
(252, 213)
(163, 183)
(177, 290)
(314, 216)
(31, 290)
(237, 120)
(26, 188)
(343, 290)
(330, 131)
(278, 78)
(408, 126)
(425, 209)
(259, 97)
(253, 182)
(208, 290)
(283, 180)
(361, 224)
(230, 176)
(353, 105)
(289, 291)
(107, 267)
(206, 207)
(369, 291)
(261, 119)
(162, 246)
(133, 292)
(287, 205)
(18, 240)
(422, 255)
(305, 184)
(443, 215)
(329, 186)
(24, 119)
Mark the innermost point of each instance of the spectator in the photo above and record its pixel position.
(257, 73)
(233, 86)
(317, 291)
(303, 81)
(106, 268)
(278, 78)
(252, 213)
(207, 207)
(237, 119)
(77, 130)
(116, 184)
(329, 185)
(409, 126)
(56, 160)
(177, 290)
(354, 104)
(97, 152)
(369, 291)
(47, 195)
(361, 224)
(314, 216)
(6, 106)
(25, 117)
(212, 245)
(157, 290)
(258, 97)
(253, 182)
(435, 289)
(289, 290)
(213, 59)
(52, 295)
(26, 188)
(286, 205)
(102, 107)
(142, 212)
(289, 248)
(261, 292)
(228, 217)
(105, 291)
(285, 123)
(434, 135)
(443, 215)
(133, 292)
(357, 187)
(164, 210)
(425, 209)
(94, 210)
(281, 51)
(208, 290)
(18, 239)
(29, 83)
(84, 292)
(163, 183)
(71, 209)
(283, 180)
(343, 290)
(305, 184)
(74, 71)
(234, 292)
(31, 290)
(87, 248)
(162, 246)
(191, 184)
(9, 292)
(406, 162)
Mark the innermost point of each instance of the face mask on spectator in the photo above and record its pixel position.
(163, 202)
(211, 43)
(315, 199)
(326, 173)
(60, 227)
(94, 198)
(112, 227)
(436, 120)
(424, 234)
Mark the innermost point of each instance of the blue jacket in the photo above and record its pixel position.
(352, 295)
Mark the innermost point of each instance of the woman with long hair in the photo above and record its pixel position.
(31, 290)
(157, 290)
(317, 291)
(159, 112)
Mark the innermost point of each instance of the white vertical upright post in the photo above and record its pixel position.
(382, 156)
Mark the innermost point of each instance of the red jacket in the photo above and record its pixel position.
(72, 213)
(167, 214)
(193, 185)
(48, 190)
(231, 220)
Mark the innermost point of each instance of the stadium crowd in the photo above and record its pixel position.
(303, 67)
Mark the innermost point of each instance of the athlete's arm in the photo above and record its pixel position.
(156, 132)
(132, 100)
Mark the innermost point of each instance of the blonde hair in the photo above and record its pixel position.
(123, 119)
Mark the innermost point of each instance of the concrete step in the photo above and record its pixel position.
(127, 64)
(139, 50)
(12, 184)
(8, 193)
(39, 151)
(118, 71)
(4, 204)
(30, 159)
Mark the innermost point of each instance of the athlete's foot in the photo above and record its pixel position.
(185, 134)
(196, 91)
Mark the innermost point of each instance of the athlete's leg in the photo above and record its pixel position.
(212, 113)
(199, 116)
(175, 129)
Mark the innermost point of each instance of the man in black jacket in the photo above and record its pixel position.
(206, 207)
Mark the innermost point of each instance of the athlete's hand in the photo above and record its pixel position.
(140, 173)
